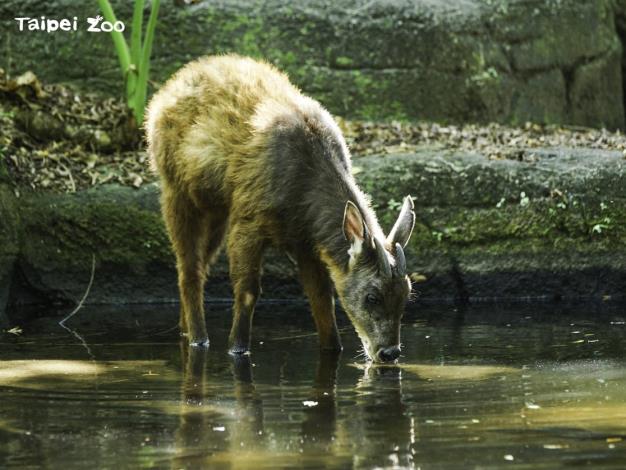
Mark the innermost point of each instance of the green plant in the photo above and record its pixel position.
(134, 61)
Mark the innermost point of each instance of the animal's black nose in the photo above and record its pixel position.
(389, 354)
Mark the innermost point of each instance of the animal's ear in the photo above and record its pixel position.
(402, 229)
(353, 229)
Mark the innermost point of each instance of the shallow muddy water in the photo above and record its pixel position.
(488, 387)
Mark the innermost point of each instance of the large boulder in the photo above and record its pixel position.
(117, 232)
(118, 227)
(556, 61)
(551, 225)
(9, 239)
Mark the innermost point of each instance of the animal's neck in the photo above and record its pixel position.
(328, 224)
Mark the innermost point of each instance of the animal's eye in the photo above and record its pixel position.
(372, 299)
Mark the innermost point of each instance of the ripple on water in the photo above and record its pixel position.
(485, 388)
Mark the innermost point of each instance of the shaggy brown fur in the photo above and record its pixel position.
(243, 155)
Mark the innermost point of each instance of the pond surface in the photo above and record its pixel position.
(488, 387)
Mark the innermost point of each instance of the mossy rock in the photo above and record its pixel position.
(121, 229)
(505, 60)
(553, 226)
(4, 172)
(117, 227)
(9, 244)
(550, 227)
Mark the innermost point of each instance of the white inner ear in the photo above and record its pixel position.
(355, 250)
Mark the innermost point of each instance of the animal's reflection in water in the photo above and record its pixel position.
(319, 425)
(195, 437)
(203, 439)
(248, 435)
(383, 430)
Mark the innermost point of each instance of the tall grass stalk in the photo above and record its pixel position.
(134, 60)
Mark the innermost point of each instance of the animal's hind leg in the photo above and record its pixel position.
(318, 288)
(190, 231)
(218, 219)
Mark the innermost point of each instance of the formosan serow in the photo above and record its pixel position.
(246, 160)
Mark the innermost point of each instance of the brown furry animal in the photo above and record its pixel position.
(243, 155)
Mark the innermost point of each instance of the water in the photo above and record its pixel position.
(492, 387)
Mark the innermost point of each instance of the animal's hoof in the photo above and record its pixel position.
(200, 343)
(239, 351)
(332, 348)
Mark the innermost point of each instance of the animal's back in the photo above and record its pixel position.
(203, 120)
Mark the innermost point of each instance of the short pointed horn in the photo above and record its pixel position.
(400, 260)
(383, 260)
(401, 231)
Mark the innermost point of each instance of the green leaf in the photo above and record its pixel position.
(144, 66)
(118, 38)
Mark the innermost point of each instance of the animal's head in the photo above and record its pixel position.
(375, 287)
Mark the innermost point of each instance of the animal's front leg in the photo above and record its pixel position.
(245, 251)
(318, 288)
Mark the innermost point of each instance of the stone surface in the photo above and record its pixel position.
(121, 228)
(551, 226)
(554, 61)
(9, 244)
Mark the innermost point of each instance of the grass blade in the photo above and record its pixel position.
(135, 53)
(144, 65)
(118, 38)
(135, 33)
